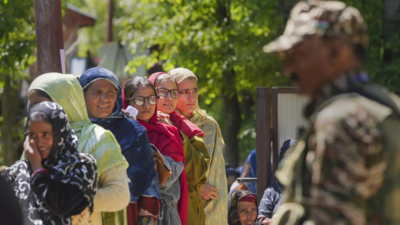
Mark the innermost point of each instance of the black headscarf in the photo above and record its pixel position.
(70, 174)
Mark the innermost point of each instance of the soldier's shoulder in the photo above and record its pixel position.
(356, 107)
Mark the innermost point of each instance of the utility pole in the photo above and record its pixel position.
(110, 19)
(49, 36)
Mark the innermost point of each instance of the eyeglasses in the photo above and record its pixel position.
(163, 92)
(139, 100)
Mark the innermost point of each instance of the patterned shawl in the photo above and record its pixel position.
(93, 139)
(64, 164)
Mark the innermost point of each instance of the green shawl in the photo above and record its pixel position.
(216, 210)
(92, 139)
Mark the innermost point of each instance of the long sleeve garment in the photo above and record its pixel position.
(215, 210)
(61, 199)
(270, 201)
(170, 193)
(346, 163)
(113, 195)
(197, 160)
(96, 141)
(10, 210)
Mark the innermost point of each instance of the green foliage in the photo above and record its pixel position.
(208, 37)
(384, 35)
(17, 36)
(212, 38)
(17, 46)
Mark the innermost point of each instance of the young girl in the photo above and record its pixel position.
(215, 209)
(55, 182)
(140, 93)
(196, 154)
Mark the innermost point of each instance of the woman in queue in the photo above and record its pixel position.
(242, 208)
(104, 105)
(215, 209)
(140, 93)
(196, 155)
(55, 184)
(112, 195)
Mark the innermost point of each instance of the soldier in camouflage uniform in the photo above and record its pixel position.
(345, 168)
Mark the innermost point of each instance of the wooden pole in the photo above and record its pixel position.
(263, 139)
(109, 22)
(49, 38)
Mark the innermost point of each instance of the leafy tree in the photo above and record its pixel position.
(17, 41)
(220, 40)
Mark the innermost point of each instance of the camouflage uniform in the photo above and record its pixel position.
(345, 168)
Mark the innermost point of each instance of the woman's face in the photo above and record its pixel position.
(42, 134)
(189, 95)
(35, 99)
(100, 98)
(146, 110)
(247, 212)
(167, 104)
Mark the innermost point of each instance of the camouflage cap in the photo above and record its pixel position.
(322, 18)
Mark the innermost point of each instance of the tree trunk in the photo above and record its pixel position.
(8, 121)
(232, 120)
(49, 37)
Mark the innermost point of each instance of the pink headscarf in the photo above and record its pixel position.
(179, 121)
(168, 141)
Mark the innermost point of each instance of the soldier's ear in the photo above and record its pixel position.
(335, 47)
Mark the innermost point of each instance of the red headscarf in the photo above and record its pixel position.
(168, 141)
(179, 121)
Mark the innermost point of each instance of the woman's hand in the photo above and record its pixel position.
(33, 154)
(208, 192)
(163, 118)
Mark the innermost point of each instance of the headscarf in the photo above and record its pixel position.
(179, 121)
(215, 144)
(235, 197)
(181, 74)
(132, 138)
(65, 90)
(167, 140)
(64, 164)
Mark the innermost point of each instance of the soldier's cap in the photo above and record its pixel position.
(332, 19)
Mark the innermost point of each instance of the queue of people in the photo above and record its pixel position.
(145, 153)
(98, 153)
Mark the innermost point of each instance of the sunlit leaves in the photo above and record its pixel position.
(17, 36)
(205, 36)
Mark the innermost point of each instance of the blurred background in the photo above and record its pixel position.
(220, 40)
